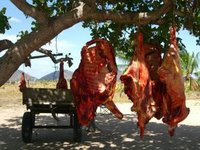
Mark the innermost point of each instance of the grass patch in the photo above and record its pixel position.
(10, 94)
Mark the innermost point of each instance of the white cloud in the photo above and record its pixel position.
(60, 46)
(15, 20)
(12, 38)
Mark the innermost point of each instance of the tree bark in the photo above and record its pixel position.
(5, 44)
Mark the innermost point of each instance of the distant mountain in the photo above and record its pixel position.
(68, 75)
(17, 77)
(51, 76)
(55, 75)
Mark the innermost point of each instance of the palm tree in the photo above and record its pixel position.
(190, 64)
(198, 75)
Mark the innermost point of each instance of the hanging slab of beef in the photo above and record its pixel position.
(62, 83)
(22, 84)
(175, 109)
(138, 84)
(93, 83)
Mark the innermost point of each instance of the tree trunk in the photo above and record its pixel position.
(18, 53)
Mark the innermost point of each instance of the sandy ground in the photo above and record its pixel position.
(115, 134)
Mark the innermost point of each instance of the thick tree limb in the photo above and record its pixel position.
(29, 10)
(5, 44)
(84, 12)
(141, 18)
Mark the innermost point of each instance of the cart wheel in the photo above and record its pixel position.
(77, 130)
(27, 127)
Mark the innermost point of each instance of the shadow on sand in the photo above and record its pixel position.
(115, 134)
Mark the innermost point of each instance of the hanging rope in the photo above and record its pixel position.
(55, 66)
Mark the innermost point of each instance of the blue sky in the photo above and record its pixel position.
(69, 41)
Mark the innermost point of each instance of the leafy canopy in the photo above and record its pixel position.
(4, 24)
(183, 13)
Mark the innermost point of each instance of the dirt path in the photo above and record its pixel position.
(115, 134)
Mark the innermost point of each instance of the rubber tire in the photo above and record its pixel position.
(27, 127)
(77, 133)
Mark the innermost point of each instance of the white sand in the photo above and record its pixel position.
(115, 134)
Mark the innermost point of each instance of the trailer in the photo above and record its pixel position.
(46, 100)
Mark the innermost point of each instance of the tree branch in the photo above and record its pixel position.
(48, 53)
(5, 44)
(29, 10)
(141, 18)
(76, 15)
(181, 14)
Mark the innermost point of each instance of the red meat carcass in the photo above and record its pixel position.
(153, 61)
(175, 109)
(93, 83)
(22, 83)
(62, 83)
(138, 85)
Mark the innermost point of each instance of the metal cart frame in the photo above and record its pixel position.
(54, 101)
